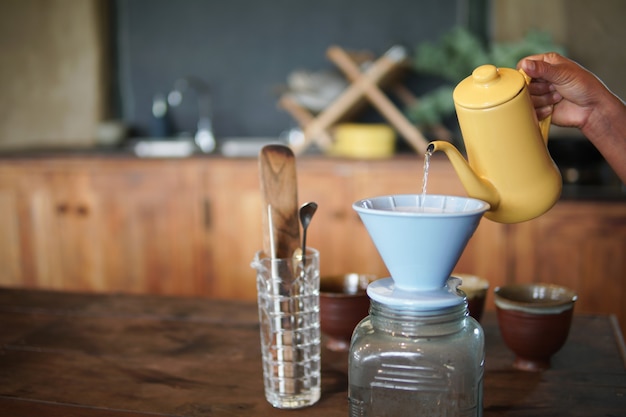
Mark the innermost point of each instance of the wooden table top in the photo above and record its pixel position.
(64, 354)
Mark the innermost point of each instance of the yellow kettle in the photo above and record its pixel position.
(508, 162)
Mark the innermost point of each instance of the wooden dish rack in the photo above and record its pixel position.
(365, 86)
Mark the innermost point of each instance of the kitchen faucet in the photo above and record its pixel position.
(204, 137)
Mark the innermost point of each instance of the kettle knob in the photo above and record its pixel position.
(488, 87)
(485, 74)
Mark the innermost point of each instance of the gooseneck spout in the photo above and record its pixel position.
(475, 186)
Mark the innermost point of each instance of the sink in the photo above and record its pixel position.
(164, 147)
(176, 147)
(245, 146)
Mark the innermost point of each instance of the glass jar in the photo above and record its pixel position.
(404, 361)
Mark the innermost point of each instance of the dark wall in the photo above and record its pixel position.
(244, 50)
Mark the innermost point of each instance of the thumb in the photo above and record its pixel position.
(542, 70)
(534, 69)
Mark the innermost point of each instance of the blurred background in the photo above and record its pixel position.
(69, 65)
(83, 83)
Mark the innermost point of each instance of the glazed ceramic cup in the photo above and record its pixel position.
(534, 321)
(343, 304)
(475, 289)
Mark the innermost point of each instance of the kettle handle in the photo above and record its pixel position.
(544, 125)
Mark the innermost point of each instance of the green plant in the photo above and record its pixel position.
(455, 56)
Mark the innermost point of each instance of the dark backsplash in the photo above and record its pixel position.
(245, 49)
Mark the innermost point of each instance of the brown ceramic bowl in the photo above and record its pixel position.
(534, 320)
(343, 304)
(475, 289)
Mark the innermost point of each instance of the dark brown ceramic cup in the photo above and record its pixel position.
(534, 320)
(343, 304)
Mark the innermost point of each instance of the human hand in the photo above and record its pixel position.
(577, 98)
(562, 88)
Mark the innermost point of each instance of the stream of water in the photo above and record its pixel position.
(427, 156)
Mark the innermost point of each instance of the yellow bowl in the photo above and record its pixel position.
(363, 141)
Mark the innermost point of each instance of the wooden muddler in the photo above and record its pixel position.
(281, 238)
(279, 189)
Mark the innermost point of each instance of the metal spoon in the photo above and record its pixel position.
(306, 212)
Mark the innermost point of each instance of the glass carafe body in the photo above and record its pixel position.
(404, 361)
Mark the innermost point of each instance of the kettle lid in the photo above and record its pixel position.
(488, 86)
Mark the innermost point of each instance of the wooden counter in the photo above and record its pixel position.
(191, 227)
(65, 354)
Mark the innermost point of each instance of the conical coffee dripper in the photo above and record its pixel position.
(420, 239)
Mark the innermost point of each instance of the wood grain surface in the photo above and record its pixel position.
(279, 189)
(191, 227)
(68, 354)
